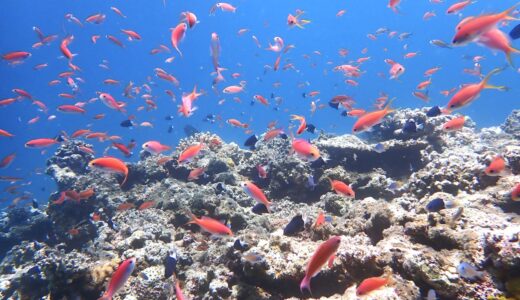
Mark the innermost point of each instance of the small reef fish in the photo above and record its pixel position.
(170, 264)
(119, 278)
(296, 21)
(196, 173)
(370, 284)
(256, 193)
(396, 69)
(436, 205)
(155, 147)
(41, 143)
(211, 225)
(190, 152)
(468, 271)
(294, 226)
(305, 150)
(497, 167)
(326, 252)
(368, 120)
(342, 188)
(111, 165)
(454, 124)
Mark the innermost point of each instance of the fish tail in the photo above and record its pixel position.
(510, 10)
(387, 107)
(508, 55)
(125, 179)
(193, 218)
(488, 76)
(306, 284)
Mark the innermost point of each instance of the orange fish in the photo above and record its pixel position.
(261, 99)
(393, 5)
(190, 153)
(396, 69)
(16, 55)
(190, 18)
(320, 220)
(303, 123)
(177, 36)
(5, 133)
(64, 47)
(458, 6)
(40, 143)
(146, 205)
(515, 193)
(371, 119)
(295, 20)
(196, 173)
(497, 167)
(237, 123)
(342, 188)
(472, 27)
(454, 124)
(305, 150)
(325, 253)
(155, 147)
(256, 193)
(371, 284)
(356, 112)
(71, 109)
(125, 206)
(496, 39)
(110, 164)
(271, 134)
(7, 160)
(470, 92)
(132, 35)
(211, 225)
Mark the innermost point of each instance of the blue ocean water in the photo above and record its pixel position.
(264, 19)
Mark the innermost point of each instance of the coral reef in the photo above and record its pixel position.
(65, 251)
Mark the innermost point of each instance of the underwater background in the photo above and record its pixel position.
(423, 191)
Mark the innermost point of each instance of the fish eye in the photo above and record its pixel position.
(355, 129)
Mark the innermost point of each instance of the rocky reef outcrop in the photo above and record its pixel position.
(71, 248)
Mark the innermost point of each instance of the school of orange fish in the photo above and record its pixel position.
(484, 29)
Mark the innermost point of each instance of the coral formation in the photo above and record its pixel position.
(385, 229)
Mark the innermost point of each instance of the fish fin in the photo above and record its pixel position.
(331, 261)
(497, 87)
(299, 26)
(193, 218)
(306, 284)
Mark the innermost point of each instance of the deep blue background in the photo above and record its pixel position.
(265, 19)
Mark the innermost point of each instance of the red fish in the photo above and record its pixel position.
(177, 36)
(5, 133)
(196, 173)
(496, 39)
(325, 252)
(262, 173)
(64, 47)
(256, 193)
(371, 119)
(303, 123)
(190, 153)
(119, 278)
(211, 225)
(497, 167)
(295, 20)
(472, 27)
(396, 69)
(7, 160)
(123, 148)
(132, 35)
(342, 188)
(190, 18)
(454, 124)
(155, 147)
(515, 193)
(371, 284)
(237, 123)
(16, 55)
(110, 164)
(71, 109)
(261, 99)
(109, 101)
(305, 150)
(96, 19)
(393, 5)
(458, 6)
(40, 143)
(470, 92)
(146, 205)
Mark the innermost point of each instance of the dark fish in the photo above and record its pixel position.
(127, 123)
(210, 118)
(241, 246)
(283, 136)
(295, 226)
(515, 32)
(170, 264)
(251, 142)
(304, 95)
(333, 104)
(344, 113)
(311, 128)
(220, 188)
(318, 163)
(259, 209)
(433, 112)
(170, 129)
(35, 204)
(190, 130)
(310, 184)
(59, 138)
(435, 205)
(411, 127)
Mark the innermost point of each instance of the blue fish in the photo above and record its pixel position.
(434, 111)
(435, 205)
(296, 225)
(468, 271)
(170, 264)
(259, 209)
(379, 148)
